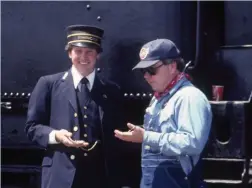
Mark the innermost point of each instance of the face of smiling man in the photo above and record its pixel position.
(83, 59)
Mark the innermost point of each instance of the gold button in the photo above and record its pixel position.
(72, 157)
(147, 147)
(85, 135)
(85, 116)
(75, 128)
(75, 114)
(85, 125)
(85, 107)
(85, 154)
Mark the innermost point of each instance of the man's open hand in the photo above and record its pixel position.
(135, 134)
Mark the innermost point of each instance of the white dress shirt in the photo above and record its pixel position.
(77, 78)
(76, 81)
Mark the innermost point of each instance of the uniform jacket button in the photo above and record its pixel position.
(75, 128)
(72, 157)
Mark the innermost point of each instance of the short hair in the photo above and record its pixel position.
(179, 61)
(69, 47)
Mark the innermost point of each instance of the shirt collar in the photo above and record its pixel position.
(77, 78)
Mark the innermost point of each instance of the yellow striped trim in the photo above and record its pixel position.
(86, 34)
(83, 41)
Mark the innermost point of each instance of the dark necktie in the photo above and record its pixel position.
(84, 93)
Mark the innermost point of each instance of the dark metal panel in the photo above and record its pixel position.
(227, 138)
(211, 32)
(233, 70)
(33, 41)
(33, 38)
(238, 22)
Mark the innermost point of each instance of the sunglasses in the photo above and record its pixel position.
(151, 70)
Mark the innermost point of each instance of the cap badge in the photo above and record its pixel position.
(143, 53)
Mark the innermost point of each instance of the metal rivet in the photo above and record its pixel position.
(85, 154)
(98, 70)
(131, 95)
(88, 7)
(144, 94)
(147, 147)
(17, 94)
(11, 94)
(23, 94)
(125, 94)
(99, 18)
(5, 94)
(150, 94)
(29, 94)
(138, 94)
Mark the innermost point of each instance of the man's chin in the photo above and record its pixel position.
(153, 88)
(84, 70)
(156, 90)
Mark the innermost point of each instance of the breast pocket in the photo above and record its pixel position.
(167, 122)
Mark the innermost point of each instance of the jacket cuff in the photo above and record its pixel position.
(152, 139)
(52, 139)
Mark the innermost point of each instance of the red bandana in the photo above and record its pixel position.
(171, 84)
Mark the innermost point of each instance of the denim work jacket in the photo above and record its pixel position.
(176, 127)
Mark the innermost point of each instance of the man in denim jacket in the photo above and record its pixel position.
(176, 123)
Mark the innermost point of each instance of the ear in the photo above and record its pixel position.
(173, 67)
(70, 54)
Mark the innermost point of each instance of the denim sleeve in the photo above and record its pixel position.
(193, 117)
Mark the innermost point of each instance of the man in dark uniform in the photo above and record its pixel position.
(71, 115)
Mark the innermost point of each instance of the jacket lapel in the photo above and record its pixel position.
(98, 92)
(69, 90)
(98, 95)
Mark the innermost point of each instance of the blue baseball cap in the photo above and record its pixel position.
(156, 50)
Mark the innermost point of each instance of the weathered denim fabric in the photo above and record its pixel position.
(176, 127)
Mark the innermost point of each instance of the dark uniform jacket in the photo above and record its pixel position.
(53, 106)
